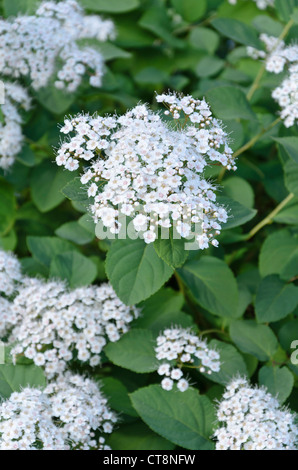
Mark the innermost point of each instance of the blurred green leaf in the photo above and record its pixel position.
(134, 351)
(137, 436)
(240, 32)
(74, 232)
(279, 255)
(190, 10)
(212, 284)
(254, 339)
(7, 206)
(13, 378)
(275, 299)
(44, 249)
(47, 181)
(291, 176)
(231, 363)
(187, 418)
(74, 268)
(285, 8)
(279, 381)
(204, 39)
(15, 7)
(228, 102)
(238, 214)
(135, 270)
(156, 20)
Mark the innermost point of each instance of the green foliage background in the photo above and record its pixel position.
(242, 296)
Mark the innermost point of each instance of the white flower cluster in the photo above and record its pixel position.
(252, 419)
(79, 409)
(68, 415)
(26, 423)
(32, 45)
(10, 276)
(10, 273)
(8, 318)
(56, 325)
(11, 137)
(178, 347)
(151, 171)
(287, 97)
(261, 4)
(277, 56)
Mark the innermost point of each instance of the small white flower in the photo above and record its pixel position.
(182, 385)
(167, 384)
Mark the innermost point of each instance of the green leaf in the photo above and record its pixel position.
(229, 102)
(245, 299)
(290, 145)
(74, 232)
(244, 11)
(44, 249)
(54, 100)
(204, 39)
(26, 156)
(254, 339)
(164, 301)
(87, 223)
(212, 284)
(238, 214)
(157, 323)
(151, 75)
(7, 207)
(291, 176)
(209, 66)
(163, 310)
(287, 334)
(279, 255)
(265, 24)
(111, 6)
(279, 381)
(74, 268)
(130, 34)
(184, 418)
(239, 190)
(236, 130)
(117, 395)
(157, 21)
(238, 31)
(13, 378)
(31, 267)
(9, 241)
(288, 215)
(47, 180)
(275, 299)
(190, 10)
(285, 8)
(171, 250)
(251, 363)
(135, 270)
(108, 50)
(134, 351)
(231, 361)
(294, 15)
(76, 192)
(16, 7)
(137, 436)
